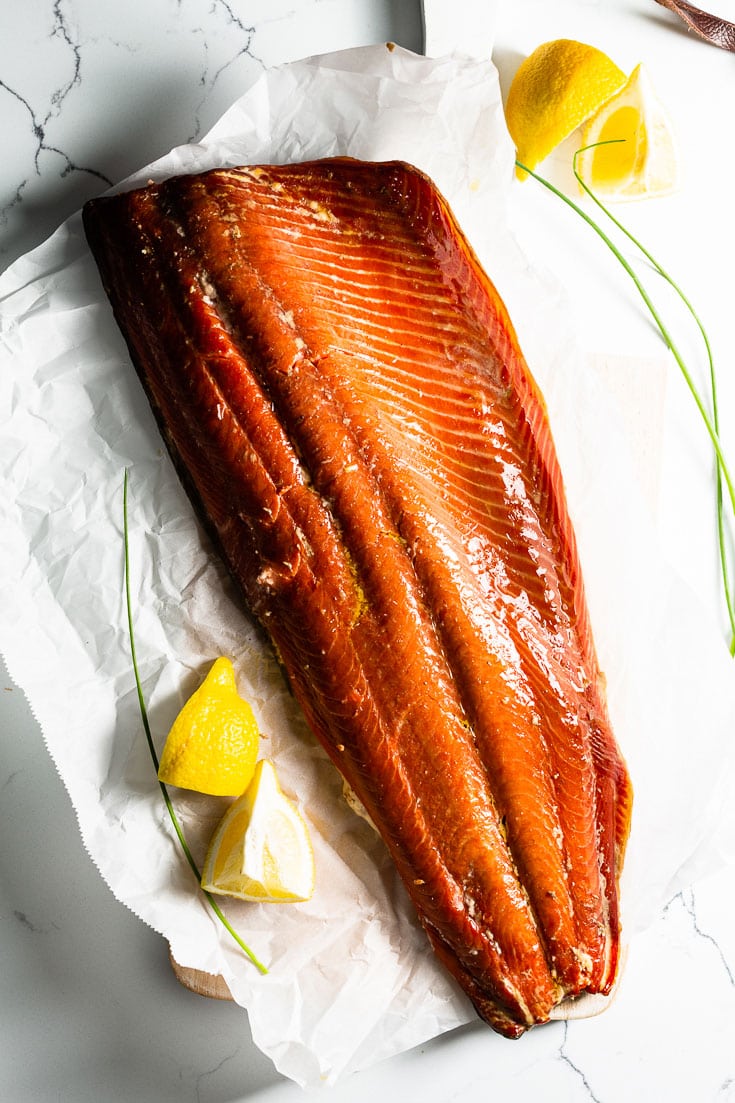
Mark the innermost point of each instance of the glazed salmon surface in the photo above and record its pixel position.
(344, 397)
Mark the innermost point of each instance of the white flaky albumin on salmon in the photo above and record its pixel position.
(344, 397)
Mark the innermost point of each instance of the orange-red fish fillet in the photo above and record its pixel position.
(344, 396)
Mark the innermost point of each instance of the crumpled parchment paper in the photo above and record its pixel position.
(351, 979)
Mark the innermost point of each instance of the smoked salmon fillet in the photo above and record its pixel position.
(345, 399)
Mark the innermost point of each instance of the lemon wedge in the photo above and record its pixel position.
(261, 851)
(212, 746)
(556, 89)
(644, 163)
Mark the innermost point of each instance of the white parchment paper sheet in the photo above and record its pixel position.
(351, 979)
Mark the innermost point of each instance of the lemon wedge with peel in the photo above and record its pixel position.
(212, 746)
(261, 851)
(556, 89)
(640, 159)
(566, 86)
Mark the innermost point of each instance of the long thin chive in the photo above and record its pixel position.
(146, 727)
(726, 581)
(711, 427)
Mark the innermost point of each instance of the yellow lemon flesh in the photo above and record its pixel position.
(261, 850)
(641, 160)
(213, 743)
(556, 89)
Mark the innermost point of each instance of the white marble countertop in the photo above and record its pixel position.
(89, 1009)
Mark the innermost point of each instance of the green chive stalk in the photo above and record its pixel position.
(711, 421)
(146, 727)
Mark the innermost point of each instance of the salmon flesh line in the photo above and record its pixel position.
(345, 399)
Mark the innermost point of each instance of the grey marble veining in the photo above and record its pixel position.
(89, 92)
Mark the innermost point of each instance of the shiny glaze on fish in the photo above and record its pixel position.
(343, 394)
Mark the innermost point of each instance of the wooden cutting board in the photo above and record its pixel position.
(204, 984)
(215, 987)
